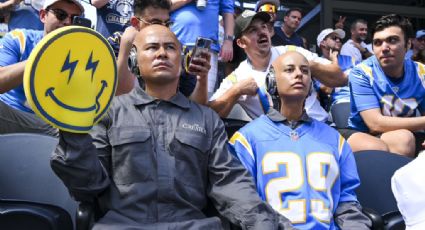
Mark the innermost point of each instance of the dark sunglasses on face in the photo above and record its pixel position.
(156, 22)
(62, 14)
(421, 39)
(335, 38)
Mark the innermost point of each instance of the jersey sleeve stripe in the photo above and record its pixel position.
(421, 72)
(368, 71)
(238, 137)
(21, 38)
(340, 144)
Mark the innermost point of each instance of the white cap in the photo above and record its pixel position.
(48, 3)
(328, 31)
(408, 186)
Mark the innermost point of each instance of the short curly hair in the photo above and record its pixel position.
(394, 20)
(141, 5)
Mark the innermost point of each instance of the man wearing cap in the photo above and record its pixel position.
(418, 44)
(241, 86)
(157, 158)
(286, 34)
(388, 93)
(271, 7)
(330, 41)
(15, 113)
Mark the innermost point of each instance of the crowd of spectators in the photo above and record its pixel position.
(163, 146)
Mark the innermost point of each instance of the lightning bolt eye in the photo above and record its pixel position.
(92, 65)
(69, 66)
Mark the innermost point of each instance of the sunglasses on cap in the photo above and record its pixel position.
(267, 8)
(62, 14)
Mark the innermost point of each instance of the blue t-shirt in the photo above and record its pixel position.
(190, 23)
(304, 174)
(371, 88)
(280, 39)
(24, 17)
(114, 17)
(15, 47)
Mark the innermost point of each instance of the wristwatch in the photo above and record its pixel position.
(229, 37)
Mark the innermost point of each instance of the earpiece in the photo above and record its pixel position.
(132, 62)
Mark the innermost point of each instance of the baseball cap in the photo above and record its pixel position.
(420, 33)
(408, 188)
(262, 2)
(244, 20)
(328, 31)
(48, 3)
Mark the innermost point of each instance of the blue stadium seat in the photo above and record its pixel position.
(375, 170)
(340, 113)
(31, 195)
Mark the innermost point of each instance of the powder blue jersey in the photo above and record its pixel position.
(303, 173)
(371, 88)
(15, 47)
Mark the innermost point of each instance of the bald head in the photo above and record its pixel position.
(155, 31)
(292, 72)
(158, 56)
(287, 57)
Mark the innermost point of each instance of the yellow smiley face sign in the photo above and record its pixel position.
(70, 78)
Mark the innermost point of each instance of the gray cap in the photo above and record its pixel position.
(244, 20)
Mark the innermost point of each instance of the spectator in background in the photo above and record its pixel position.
(330, 41)
(286, 34)
(191, 23)
(238, 53)
(242, 86)
(418, 44)
(303, 168)
(156, 159)
(17, 45)
(355, 46)
(19, 15)
(112, 15)
(271, 7)
(387, 92)
(149, 12)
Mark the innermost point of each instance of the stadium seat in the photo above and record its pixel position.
(375, 170)
(340, 113)
(31, 195)
(233, 125)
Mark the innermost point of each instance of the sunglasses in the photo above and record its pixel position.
(421, 39)
(267, 8)
(62, 14)
(335, 38)
(156, 22)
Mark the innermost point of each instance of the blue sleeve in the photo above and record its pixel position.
(10, 49)
(317, 85)
(240, 146)
(362, 93)
(226, 6)
(348, 173)
(115, 41)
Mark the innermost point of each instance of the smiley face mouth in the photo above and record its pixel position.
(96, 106)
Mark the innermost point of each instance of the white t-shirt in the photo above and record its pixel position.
(252, 104)
(349, 49)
